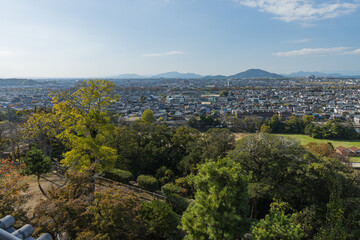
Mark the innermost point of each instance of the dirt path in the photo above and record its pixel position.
(47, 181)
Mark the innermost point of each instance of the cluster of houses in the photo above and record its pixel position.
(180, 105)
(348, 152)
(178, 100)
(23, 99)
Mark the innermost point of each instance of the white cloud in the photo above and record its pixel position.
(356, 51)
(299, 40)
(163, 54)
(315, 52)
(302, 10)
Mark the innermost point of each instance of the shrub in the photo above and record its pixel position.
(119, 175)
(177, 203)
(188, 189)
(147, 182)
(170, 188)
(164, 175)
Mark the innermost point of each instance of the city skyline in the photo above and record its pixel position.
(147, 37)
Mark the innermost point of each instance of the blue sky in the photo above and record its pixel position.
(99, 38)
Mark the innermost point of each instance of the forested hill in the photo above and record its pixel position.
(23, 82)
(256, 73)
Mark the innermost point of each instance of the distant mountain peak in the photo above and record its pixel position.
(256, 73)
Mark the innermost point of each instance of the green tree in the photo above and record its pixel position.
(265, 128)
(272, 164)
(277, 225)
(82, 113)
(218, 142)
(160, 220)
(40, 130)
(126, 141)
(224, 93)
(220, 209)
(307, 119)
(213, 144)
(37, 164)
(275, 124)
(335, 226)
(293, 125)
(251, 124)
(181, 141)
(193, 122)
(148, 116)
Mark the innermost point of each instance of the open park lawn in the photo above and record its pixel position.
(304, 139)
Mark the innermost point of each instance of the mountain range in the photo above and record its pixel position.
(248, 74)
(251, 73)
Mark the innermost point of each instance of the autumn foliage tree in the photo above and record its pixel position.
(321, 149)
(61, 213)
(12, 183)
(72, 212)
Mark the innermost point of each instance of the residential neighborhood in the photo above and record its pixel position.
(177, 100)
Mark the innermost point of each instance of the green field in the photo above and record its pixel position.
(304, 139)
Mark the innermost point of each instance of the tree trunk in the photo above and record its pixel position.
(13, 157)
(253, 209)
(41, 189)
(18, 150)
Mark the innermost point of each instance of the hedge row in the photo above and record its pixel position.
(170, 188)
(119, 175)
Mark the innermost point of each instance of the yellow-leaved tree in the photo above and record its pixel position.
(82, 113)
(40, 130)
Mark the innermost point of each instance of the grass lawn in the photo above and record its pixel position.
(355, 159)
(304, 139)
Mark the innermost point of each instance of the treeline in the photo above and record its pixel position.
(332, 129)
(261, 187)
(248, 124)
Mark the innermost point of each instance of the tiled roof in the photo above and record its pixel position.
(8, 232)
(341, 149)
(354, 149)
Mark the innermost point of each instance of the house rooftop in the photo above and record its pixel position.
(354, 149)
(341, 148)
